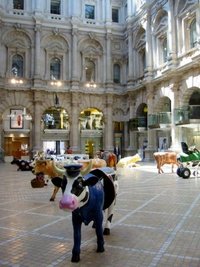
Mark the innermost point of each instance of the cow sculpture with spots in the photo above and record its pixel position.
(162, 158)
(87, 197)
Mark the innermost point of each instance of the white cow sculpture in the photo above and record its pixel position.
(129, 161)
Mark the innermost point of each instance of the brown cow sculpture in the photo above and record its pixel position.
(48, 167)
(162, 158)
(109, 157)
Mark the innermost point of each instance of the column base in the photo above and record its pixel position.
(148, 154)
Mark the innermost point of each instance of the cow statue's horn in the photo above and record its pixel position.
(58, 170)
(87, 169)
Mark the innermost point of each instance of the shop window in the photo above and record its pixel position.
(193, 34)
(17, 66)
(55, 7)
(116, 73)
(89, 12)
(18, 4)
(55, 67)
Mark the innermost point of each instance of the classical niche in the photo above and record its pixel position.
(55, 118)
(91, 119)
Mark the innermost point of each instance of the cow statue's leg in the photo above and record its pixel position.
(108, 219)
(77, 222)
(110, 210)
(55, 191)
(99, 231)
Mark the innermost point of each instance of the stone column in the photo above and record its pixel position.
(198, 22)
(37, 6)
(149, 48)
(37, 144)
(37, 72)
(130, 55)
(108, 11)
(171, 33)
(151, 147)
(132, 140)
(108, 58)
(175, 140)
(74, 129)
(126, 136)
(129, 8)
(108, 133)
(74, 58)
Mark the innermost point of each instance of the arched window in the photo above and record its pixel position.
(55, 67)
(89, 70)
(164, 50)
(193, 34)
(18, 4)
(17, 66)
(116, 73)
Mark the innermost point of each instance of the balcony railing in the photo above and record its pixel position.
(153, 121)
(159, 119)
(184, 114)
(137, 123)
(164, 117)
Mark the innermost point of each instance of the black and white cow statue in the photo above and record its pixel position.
(23, 165)
(87, 197)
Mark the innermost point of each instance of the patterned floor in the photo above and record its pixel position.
(156, 223)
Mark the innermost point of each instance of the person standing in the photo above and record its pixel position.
(117, 152)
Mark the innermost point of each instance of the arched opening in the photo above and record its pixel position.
(91, 128)
(55, 125)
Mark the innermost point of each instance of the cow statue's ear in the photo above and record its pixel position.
(92, 180)
(57, 181)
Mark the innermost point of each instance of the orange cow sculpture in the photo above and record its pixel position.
(95, 163)
(49, 167)
(162, 158)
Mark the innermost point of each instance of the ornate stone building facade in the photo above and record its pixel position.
(90, 74)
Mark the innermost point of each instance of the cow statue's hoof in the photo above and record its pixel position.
(100, 249)
(51, 199)
(75, 257)
(106, 231)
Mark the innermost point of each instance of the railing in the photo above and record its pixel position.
(139, 122)
(186, 113)
(164, 117)
(154, 120)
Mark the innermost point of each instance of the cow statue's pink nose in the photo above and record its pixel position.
(68, 202)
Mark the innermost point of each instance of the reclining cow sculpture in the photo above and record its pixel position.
(129, 161)
(23, 165)
(86, 197)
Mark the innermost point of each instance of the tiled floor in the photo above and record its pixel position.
(156, 223)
